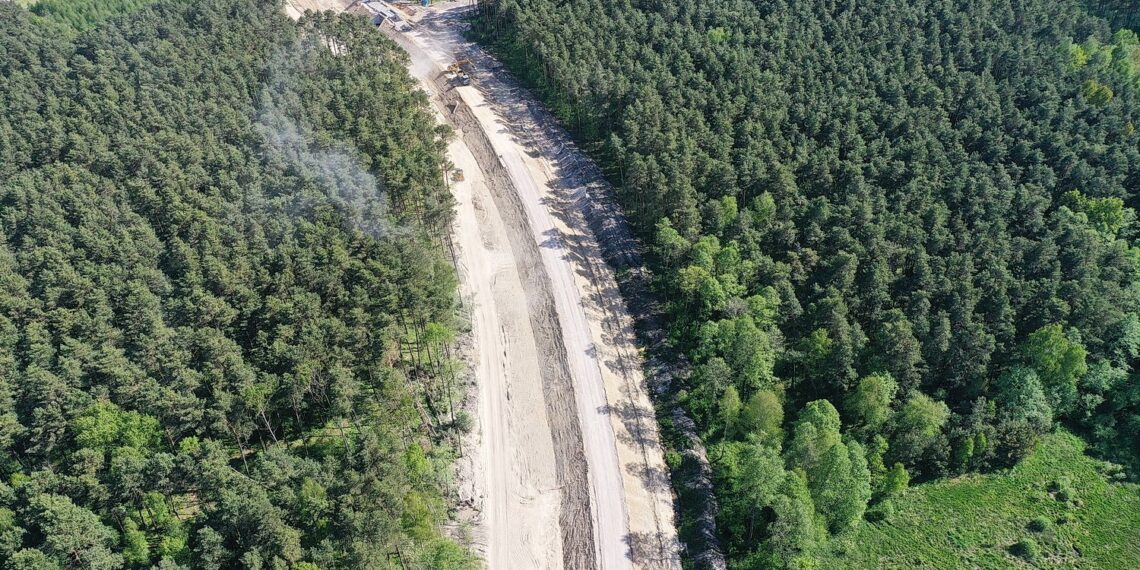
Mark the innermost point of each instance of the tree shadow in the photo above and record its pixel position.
(655, 478)
(634, 418)
(654, 550)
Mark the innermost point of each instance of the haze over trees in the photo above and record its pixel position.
(225, 307)
(895, 240)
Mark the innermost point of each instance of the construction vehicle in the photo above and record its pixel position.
(461, 69)
(461, 65)
(457, 175)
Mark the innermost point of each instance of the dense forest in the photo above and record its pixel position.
(81, 15)
(1120, 13)
(225, 306)
(895, 241)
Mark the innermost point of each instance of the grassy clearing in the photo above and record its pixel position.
(1019, 518)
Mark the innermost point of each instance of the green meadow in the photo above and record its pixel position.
(1056, 509)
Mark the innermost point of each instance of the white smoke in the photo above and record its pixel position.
(332, 167)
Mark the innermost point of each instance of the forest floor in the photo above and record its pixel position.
(568, 436)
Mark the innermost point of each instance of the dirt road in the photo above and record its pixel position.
(630, 501)
(630, 514)
(514, 468)
(567, 469)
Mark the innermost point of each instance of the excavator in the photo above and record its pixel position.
(461, 69)
(463, 64)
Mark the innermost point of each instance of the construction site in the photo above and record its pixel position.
(566, 468)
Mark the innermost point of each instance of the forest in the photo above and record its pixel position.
(894, 241)
(1120, 13)
(226, 307)
(82, 15)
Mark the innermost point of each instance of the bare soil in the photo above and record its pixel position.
(565, 468)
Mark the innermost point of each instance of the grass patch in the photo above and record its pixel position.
(992, 521)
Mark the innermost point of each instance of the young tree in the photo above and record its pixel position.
(840, 485)
(916, 425)
(895, 480)
(1024, 412)
(837, 473)
(750, 353)
(795, 532)
(1059, 362)
(763, 417)
(729, 410)
(753, 474)
(869, 405)
(670, 245)
(816, 431)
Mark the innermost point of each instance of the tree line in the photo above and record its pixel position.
(895, 240)
(226, 308)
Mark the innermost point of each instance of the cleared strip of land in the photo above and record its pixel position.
(629, 497)
(567, 469)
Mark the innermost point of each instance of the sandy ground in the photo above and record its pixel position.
(630, 500)
(294, 8)
(519, 505)
(566, 469)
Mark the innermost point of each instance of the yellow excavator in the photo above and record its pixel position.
(461, 69)
(460, 65)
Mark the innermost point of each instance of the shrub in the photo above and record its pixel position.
(464, 423)
(1026, 549)
(1062, 489)
(1039, 524)
(881, 512)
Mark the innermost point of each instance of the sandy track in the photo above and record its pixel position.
(631, 510)
(530, 472)
(568, 470)
(536, 302)
(524, 503)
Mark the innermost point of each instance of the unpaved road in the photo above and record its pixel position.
(567, 470)
(630, 500)
(514, 468)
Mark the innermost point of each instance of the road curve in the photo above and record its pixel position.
(629, 499)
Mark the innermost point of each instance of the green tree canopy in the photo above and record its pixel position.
(227, 308)
(1059, 362)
